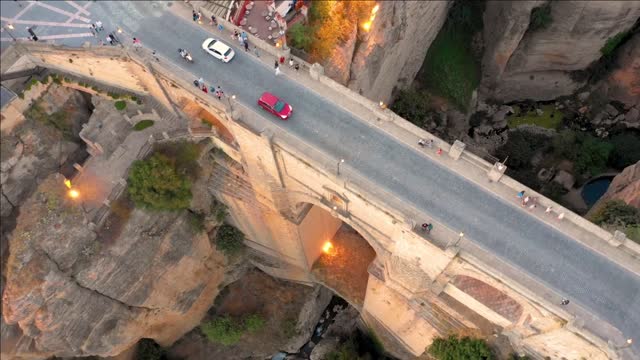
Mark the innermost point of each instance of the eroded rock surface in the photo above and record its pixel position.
(72, 292)
(624, 81)
(521, 63)
(625, 186)
(390, 55)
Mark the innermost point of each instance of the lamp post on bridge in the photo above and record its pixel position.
(338, 166)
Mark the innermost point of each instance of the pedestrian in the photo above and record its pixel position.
(525, 200)
(277, 71)
(236, 34)
(549, 209)
(244, 36)
(532, 206)
(425, 227)
(205, 89)
(199, 16)
(194, 14)
(99, 26)
(220, 27)
(290, 62)
(421, 142)
(429, 228)
(246, 46)
(297, 67)
(255, 50)
(200, 82)
(275, 65)
(136, 43)
(430, 143)
(213, 22)
(520, 194)
(561, 216)
(281, 59)
(109, 39)
(564, 301)
(439, 152)
(196, 82)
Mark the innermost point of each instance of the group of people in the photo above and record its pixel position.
(532, 203)
(292, 65)
(217, 91)
(242, 38)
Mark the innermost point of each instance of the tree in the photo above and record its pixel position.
(300, 36)
(412, 105)
(155, 184)
(455, 348)
(520, 148)
(592, 155)
(229, 240)
(616, 212)
(626, 150)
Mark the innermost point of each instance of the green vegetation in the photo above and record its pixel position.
(149, 350)
(589, 154)
(196, 221)
(455, 348)
(219, 210)
(228, 331)
(288, 327)
(450, 68)
(56, 79)
(626, 150)
(229, 240)
(206, 123)
(142, 124)
(31, 83)
(330, 23)
(550, 118)
(520, 148)
(554, 191)
(58, 119)
(412, 105)
(617, 215)
(613, 43)
(156, 184)
(348, 350)
(254, 323)
(120, 105)
(540, 17)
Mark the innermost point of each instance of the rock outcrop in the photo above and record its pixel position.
(624, 82)
(522, 63)
(70, 291)
(390, 55)
(625, 186)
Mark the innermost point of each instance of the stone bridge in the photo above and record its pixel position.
(290, 200)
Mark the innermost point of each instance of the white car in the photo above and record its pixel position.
(218, 49)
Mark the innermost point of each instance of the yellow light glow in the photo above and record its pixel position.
(326, 248)
(367, 26)
(67, 182)
(375, 9)
(10, 26)
(74, 194)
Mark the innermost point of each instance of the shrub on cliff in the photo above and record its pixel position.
(617, 215)
(222, 330)
(455, 348)
(412, 105)
(155, 184)
(229, 240)
(540, 17)
(626, 150)
(149, 350)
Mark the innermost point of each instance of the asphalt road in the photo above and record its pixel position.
(587, 278)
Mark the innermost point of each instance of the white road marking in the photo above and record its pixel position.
(22, 12)
(60, 11)
(45, 23)
(79, 8)
(53, 37)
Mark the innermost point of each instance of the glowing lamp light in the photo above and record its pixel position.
(67, 182)
(10, 26)
(375, 9)
(367, 26)
(74, 194)
(326, 248)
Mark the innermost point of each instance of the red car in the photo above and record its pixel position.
(277, 107)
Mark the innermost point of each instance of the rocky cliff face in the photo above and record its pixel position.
(624, 82)
(625, 186)
(72, 292)
(390, 55)
(521, 63)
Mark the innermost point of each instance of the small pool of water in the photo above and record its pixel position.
(594, 189)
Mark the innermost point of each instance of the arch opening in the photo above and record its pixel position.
(337, 254)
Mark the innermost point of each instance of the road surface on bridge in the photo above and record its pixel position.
(587, 278)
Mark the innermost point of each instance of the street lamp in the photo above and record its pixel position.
(11, 27)
(338, 166)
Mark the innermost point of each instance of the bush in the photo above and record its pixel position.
(149, 350)
(412, 105)
(196, 221)
(120, 105)
(58, 119)
(626, 150)
(222, 330)
(229, 240)
(550, 118)
(554, 191)
(155, 184)
(540, 17)
(143, 124)
(288, 327)
(612, 43)
(254, 323)
(592, 155)
(454, 348)
(616, 212)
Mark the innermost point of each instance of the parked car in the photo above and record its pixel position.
(218, 49)
(274, 105)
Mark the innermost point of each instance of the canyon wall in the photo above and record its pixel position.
(523, 63)
(389, 56)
